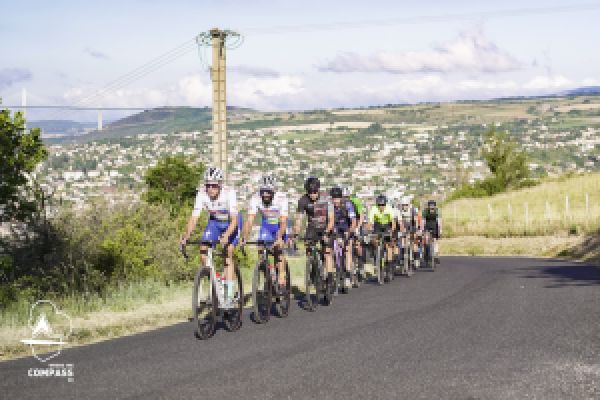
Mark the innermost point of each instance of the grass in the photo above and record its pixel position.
(124, 310)
(536, 246)
(536, 211)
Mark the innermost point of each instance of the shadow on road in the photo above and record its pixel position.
(566, 275)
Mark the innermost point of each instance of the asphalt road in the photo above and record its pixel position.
(477, 328)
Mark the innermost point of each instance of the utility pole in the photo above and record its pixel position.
(217, 39)
(24, 104)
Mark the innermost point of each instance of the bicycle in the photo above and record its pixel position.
(382, 266)
(315, 277)
(418, 239)
(358, 262)
(263, 287)
(339, 253)
(208, 297)
(407, 253)
(430, 252)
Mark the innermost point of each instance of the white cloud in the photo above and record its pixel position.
(196, 90)
(470, 52)
(95, 53)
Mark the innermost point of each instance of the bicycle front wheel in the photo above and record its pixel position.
(311, 284)
(232, 317)
(379, 266)
(204, 304)
(284, 299)
(261, 293)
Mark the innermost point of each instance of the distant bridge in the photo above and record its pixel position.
(81, 108)
(78, 108)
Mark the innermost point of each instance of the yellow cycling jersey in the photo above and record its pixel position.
(384, 218)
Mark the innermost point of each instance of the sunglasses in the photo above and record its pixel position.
(313, 191)
(212, 185)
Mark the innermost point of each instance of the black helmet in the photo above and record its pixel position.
(381, 200)
(312, 184)
(335, 192)
(431, 203)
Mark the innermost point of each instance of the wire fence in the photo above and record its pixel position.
(570, 214)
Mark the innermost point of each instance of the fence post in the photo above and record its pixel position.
(510, 213)
(526, 216)
(567, 206)
(587, 210)
(454, 211)
(490, 211)
(547, 211)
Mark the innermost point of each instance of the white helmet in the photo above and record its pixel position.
(346, 191)
(405, 200)
(267, 182)
(213, 174)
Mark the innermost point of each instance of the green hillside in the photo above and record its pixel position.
(556, 206)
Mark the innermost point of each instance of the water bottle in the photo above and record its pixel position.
(220, 287)
(273, 274)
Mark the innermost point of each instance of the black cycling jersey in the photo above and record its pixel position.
(316, 211)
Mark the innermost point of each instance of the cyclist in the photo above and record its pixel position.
(360, 211)
(273, 207)
(407, 221)
(381, 220)
(319, 212)
(223, 223)
(344, 224)
(432, 225)
(418, 235)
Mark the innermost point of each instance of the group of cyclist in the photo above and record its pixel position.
(338, 213)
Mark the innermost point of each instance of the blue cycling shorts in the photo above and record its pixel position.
(268, 232)
(215, 228)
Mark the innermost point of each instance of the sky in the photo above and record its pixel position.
(296, 55)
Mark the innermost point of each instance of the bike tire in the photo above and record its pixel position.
(284, 300)
(311, 282)
(233, 318)
(204, 305)
(261, 293)
(431, 257)
(380, 264)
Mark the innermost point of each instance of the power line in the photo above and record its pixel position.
(139, 72)
(418, 19)
(189, 45)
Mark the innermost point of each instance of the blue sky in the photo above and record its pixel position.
(64, 51)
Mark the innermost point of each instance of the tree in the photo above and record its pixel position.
(507, 164)
(173, 182)
(20, 152)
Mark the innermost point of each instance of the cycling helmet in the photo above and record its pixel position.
(431, 203)
(267, 182)
(381, 200)
(213, 174)
(346, 191)
(312, 184)
(336, 192)
(405, 200)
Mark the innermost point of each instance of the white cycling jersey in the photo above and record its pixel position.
(405, 216)
(271, 214)
(218, 209)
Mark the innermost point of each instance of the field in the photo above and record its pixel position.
(555, 207)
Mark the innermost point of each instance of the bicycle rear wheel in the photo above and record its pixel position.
(233, 317)
(261, 293)
(204, 305)
(284, 299)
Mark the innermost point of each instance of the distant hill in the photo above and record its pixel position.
(61, 126)
(157, 120)
(582, 91)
